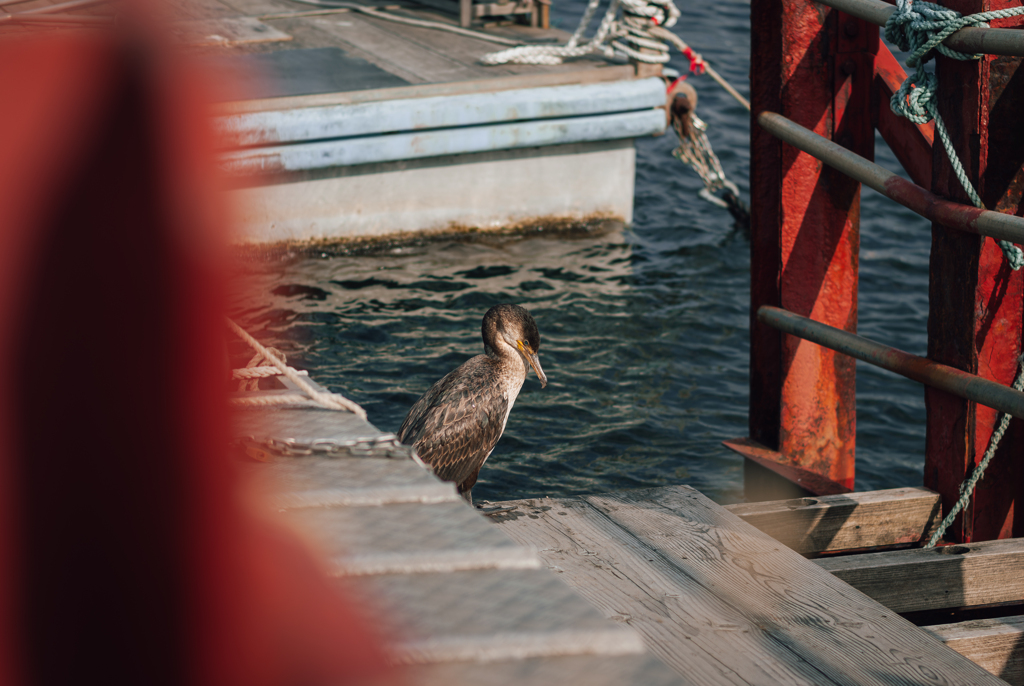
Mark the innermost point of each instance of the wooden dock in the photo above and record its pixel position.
(461, 602)
(657, 586)
(725, 603)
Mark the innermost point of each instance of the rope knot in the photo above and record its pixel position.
(920, 27)
(915, 99)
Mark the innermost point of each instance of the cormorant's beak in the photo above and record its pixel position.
(530, 356)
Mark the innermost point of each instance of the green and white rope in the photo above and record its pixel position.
(967, 487)
(920, 27)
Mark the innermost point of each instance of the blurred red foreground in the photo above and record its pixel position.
(125, 554)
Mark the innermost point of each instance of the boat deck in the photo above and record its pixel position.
(336, 125)
(680, 589)
(346, 125)
(374, 53)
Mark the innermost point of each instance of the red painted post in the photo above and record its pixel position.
(910, 142)
(976, 301)
(815, 66)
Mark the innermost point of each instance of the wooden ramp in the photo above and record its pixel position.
(722, 602)
(460, 602)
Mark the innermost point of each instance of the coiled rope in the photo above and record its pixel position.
(967, 487)
(330, 401)
(626, 37)
(920, 27)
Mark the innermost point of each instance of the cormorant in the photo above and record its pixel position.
(456, 424)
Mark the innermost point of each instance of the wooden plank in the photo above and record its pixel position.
(490, 615)
(849, 521)
(995, 644)
(234, 31)
(936, 578)
(304, 427)
(299, 482)
(589, 670)
(581, 76)
(391, 49)
(827, 628)
(684, 623)
(466, 50)
(409, 538)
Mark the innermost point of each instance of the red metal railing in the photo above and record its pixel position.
(821, 82)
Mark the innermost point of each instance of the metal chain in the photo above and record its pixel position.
(695, 150)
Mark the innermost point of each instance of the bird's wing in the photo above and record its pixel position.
(455, 425)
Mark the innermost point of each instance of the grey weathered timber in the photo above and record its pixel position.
(309, 430)
(458, 600)
(722, 602)
(224, 32)
(335, 482)
(398, 51)
(936, 578)
(589, 670)
(490, 615)
(409, 537)
(687, 625)
(848, 521)
(995, 644)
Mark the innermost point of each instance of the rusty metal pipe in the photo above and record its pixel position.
(923, 370)
(1006, 227)
(970, 39)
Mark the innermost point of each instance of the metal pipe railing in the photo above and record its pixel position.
(1001, 226)
(970, 39)
(923, 370)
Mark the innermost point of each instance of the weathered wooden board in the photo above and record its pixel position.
(490, 615)
(684, 623)
(408, 538)
(936, 578)
(847, 521)
(625, 670)
(995, 644)
(312, 426)
(723, 602)
(234, 31)
(298, 482)
(392, 50)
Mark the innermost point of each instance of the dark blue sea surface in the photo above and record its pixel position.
(644, 330)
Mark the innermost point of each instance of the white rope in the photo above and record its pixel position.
(332, 401)
(625, 37)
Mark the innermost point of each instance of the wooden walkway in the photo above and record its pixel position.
(722, 602)
(698, 593)
(462, 602)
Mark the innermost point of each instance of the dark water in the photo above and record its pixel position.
(644, 330)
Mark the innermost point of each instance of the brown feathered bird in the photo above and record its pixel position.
(456, 424)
